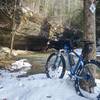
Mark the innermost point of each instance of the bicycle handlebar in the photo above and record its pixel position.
(59, 43)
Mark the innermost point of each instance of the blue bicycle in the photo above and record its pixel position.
(62, 60)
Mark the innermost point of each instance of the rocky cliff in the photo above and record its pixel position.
(37, 20)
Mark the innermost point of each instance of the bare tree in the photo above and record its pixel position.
(13, 28)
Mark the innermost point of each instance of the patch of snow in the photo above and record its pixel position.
(21, 65)
(98, 53)
(36, 87)
(98, 48)
(79, 51)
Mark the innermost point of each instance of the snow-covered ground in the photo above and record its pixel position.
(36, 87)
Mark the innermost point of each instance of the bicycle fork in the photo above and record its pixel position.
(57, 61)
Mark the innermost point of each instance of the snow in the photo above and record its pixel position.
(79, 50)
(36, 87)
(98, 53)
(21, 65)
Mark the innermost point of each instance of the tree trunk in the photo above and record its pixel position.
(89, 34)
(89, 28)
(13, 29)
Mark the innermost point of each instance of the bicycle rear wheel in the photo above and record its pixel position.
(55, 66)
(88, 79)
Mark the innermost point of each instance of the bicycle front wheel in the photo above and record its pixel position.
(55, 66)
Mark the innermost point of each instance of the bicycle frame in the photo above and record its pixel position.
(66, 47)
(79, 65)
